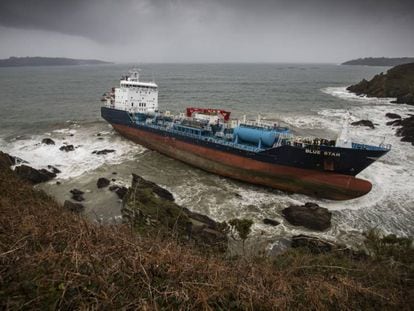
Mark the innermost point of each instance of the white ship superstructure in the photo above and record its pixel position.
(133, 95)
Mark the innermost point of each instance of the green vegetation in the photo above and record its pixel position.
(52, 258)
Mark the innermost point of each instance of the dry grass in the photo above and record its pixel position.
(51, 258)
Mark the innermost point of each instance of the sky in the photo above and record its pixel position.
(308, 31)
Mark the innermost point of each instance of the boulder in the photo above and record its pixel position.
(102, 182)
(67, 148)
(270, 222)
(48, 141)
(104, 151)
(77, 195)
(73, 207)
(396, 122)
(367, 123)
(119, 190)
(391, 115)
(32, 175)
(310, 216)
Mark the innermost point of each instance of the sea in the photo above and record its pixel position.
(63, 103)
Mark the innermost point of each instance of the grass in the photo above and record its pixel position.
(51, 258)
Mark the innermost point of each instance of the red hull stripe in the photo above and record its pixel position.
(314, 183)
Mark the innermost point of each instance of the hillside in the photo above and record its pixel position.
(52, 258)
(47, 61)
(398, 82)
(380, 61)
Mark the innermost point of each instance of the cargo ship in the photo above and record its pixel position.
(254, 151)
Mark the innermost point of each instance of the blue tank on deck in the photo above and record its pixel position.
(256, 134)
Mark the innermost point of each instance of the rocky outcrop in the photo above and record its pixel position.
(33, 175)
(73, 207)
(67, 148)
(398, 83)
(48, 141)
(6, 161)
(119, 190)
(367, 123)
(391, 115)
(406, 130)
(104, 151)
(310, 216)
(102, 182)
(271, 222)
(77, 195)
(151, 209)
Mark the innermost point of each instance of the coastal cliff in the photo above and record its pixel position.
(398, 82)
(53, 258)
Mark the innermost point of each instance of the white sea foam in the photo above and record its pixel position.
(77, 162)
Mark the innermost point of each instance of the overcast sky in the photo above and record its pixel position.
(207, 31)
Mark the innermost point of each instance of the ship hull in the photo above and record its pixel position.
(313, 183)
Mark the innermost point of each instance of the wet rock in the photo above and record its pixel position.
(58, 183)
(104, 151)
(313, 244)
(77, 195)
(113, 179)
(367, 123)
(270, 222)
(406, 131)
(102, 182)
(48, 141)
(394, 122)
(6, 161)
(119, 190)
(140, 182)
(310, 216)
(67, 148)
(73, 207)
(114, 173)
(152, 209)
(53, 169)
(32, 175)
(391, 115)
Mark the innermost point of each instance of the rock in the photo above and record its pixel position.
(151, 208)
(119, 190)
(113, 179)
(315, 245)
(310, 216)
(102, 182)
(77, 195)
(391, 115)
(6, 161)
(53, 169)
(271, 222)
(104, 151)
(161, 192)
(67, 148)
(397, 82)
(73, 207)
(364, 123)
(58, 183)
(406, 131)
(32, 175)
(48, 141)
(394, 122)
(114, 173)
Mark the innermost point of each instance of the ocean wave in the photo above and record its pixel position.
(85, 139)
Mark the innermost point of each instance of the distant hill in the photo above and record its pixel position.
(47, 61)
(380, 61)
(398, 82)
